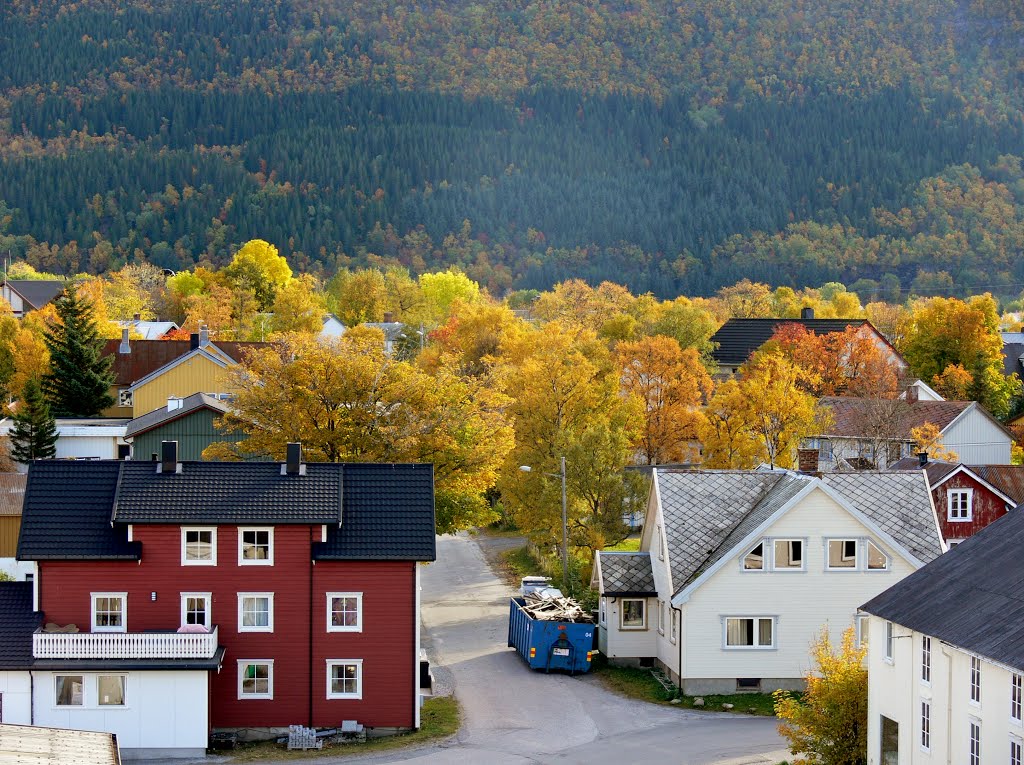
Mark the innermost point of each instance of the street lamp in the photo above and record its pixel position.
(565, 523)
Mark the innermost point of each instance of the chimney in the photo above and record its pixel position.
(807, 313)
(388, 317)
(138, 317)
(912, 394)
(156, 457)
(807, 460)
(193, 341)
(922, 458)
(168, 456)
(174, 402)
(204, 336)
(293, 461)
(126, 345)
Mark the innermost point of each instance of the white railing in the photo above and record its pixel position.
(124, 645)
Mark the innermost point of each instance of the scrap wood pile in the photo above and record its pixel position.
(554, 608)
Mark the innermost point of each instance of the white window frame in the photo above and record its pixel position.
(622, 614)
(124, 689)
(674, 616)
(969, 510)
(764, 558)
(359, 611)
(602, 616)
(843, 541)
(889, 643)
(242, 664)
(756, 632)
(868, 544)
(661, 544)
(1016, 750)
(269, 560)
(926, 660)
(926, 725)
(975, 681)
(358, 663)
(56, 693)
(803, 554)
(208, 597)
(1016, 697)
(974, 741)
(185, 530)
(661, 617)
(242, 597)
(93, 597)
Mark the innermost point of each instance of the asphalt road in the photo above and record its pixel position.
(514, 716)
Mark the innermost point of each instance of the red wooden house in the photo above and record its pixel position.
(263, 594)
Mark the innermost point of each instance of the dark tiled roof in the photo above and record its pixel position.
(708, 513)
(228, 492)
(17, 623)
(12, 493)
(387, 514)
(985, 573)
(851, 416)
(67, 512)
(624, 574)
(160, 416)
(738, 338)
(36, 293)
(147, 356)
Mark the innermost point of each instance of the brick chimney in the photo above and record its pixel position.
(389, 317)
(807, 460)
(911, 394)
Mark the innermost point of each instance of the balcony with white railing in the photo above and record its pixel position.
(124, 645)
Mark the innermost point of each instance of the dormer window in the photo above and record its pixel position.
(256, 547)
(961, 504)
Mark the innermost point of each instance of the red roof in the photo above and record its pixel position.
(147, 356)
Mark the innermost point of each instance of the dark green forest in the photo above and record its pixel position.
(173, 132)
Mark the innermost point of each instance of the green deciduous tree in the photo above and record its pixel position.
(34, 435)
(79, 380)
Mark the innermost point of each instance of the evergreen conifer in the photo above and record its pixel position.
(78, 384)
(34, 435)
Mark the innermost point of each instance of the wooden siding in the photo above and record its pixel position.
(977, 440)
(197, 375)
(386, 645)
(194, 432)
(986, 507)
(10, 525)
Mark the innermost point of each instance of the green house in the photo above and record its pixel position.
(189, 421)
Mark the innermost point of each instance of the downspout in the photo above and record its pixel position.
(949, 705)
(310, 620)
(679, 642)
(31, 697)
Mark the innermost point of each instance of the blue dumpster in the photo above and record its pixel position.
(548, 645)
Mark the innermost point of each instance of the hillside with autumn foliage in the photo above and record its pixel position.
(673, 147)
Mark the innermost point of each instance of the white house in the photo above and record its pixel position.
(738, 571)
(94, 438)
(946, 656)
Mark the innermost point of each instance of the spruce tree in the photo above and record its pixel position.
(78, 384)
(34, 435)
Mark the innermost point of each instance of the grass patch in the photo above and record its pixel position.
(517, 563)
(640, 684)
(629, 544)
(439, 718)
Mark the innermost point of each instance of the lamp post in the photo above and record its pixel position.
(565, 522)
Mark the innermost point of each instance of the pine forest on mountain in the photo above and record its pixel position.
(674, 148)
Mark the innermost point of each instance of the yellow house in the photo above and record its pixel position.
(202, 370)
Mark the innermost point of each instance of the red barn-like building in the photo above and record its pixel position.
(268, 594)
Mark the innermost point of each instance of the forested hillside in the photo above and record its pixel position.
(673, 147)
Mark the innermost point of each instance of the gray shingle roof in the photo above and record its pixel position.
(158, 417)
(985, 573)
(36, 292)
(624, 574)
(67, 512)
(386, 511)
(708, 513)
(17, 623)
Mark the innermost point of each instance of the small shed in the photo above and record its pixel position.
(190, 421)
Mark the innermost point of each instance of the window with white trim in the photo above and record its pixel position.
(975, 746)
(602, 616)
(344, 678)
(877, 560)
(926, 659)
(975, 680)
(255, 612)
(109, 611)
(661, 616)
(661, 545)
(256, 546)
(675, 624)
(888, 642)
(960, 503)
(632, 614)
(1015, 697)
(199, 546)
(195, 609)
(69, 690)
(255, 678)
(926, 725)
(787, 555)
(754, 560)
(1015, 750)
(344, 612)
(110, 690)
(749, 632)
(842, 555)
